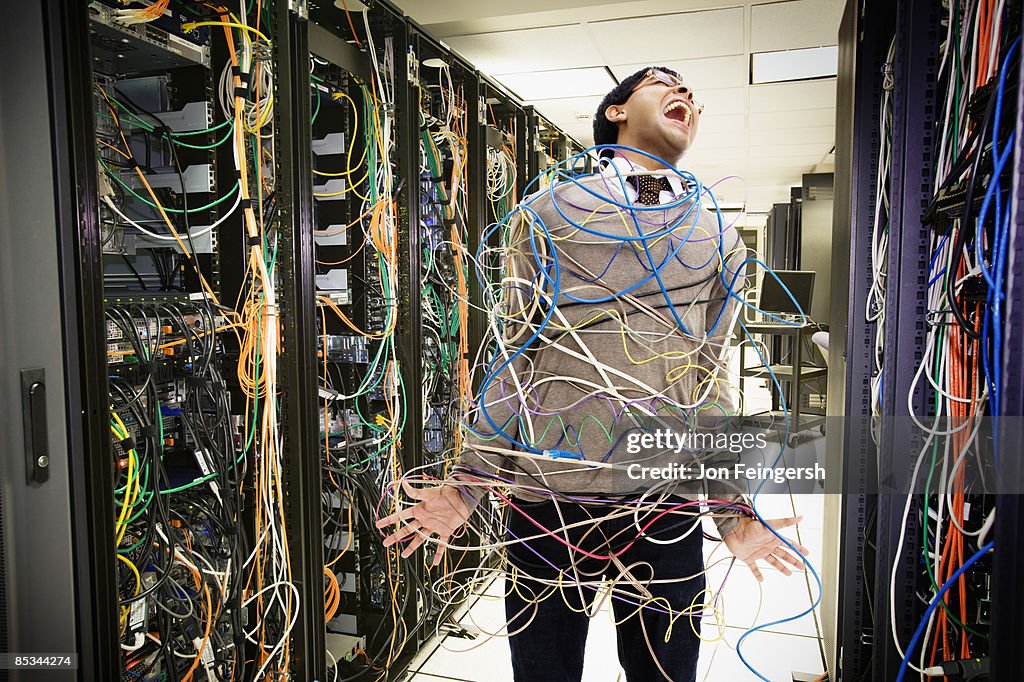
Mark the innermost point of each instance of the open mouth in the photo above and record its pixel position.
(678, 111)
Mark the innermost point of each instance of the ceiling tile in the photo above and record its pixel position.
(800, 118)
(536, 49)
(795, 24)
(550, 84)
(789, 175)
(713, 141)
(794, 137)
(781, 66)
(676, 36)
(581, 132)
(734, 158)
(722, 102)
(789, 153)
(817, 94)
(735, 123)
(432, 12)
(568, 109)
(700, 74)
(501, 15)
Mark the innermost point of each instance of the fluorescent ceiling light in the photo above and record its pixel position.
(558, 84)
(794, 65)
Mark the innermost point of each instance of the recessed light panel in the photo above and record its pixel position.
(794, 65)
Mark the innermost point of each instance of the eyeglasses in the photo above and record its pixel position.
(658, 76)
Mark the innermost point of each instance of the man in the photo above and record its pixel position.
(617, 301)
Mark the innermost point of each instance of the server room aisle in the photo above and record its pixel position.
(775, 652)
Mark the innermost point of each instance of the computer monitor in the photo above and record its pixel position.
(774, 298)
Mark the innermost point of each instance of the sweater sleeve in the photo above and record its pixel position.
(720, 329)
(517, 306)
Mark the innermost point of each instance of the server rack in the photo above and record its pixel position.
(777, 229)
(341, 80)
(349, 89)
(217, 258)
(546, 146)
(501, 134)
(862, 645)
(456, 162)
(849, 559)
(449, 136)
(918, 33)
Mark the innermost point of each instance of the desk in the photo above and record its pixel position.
(793, 375)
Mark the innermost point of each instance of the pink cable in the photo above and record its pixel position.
(619, 552)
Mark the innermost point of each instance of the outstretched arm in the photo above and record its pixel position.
(439, 510)
(751, 541)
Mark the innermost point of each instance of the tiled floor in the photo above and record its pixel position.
(775, 652)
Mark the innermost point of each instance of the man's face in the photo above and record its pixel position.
(660, 117)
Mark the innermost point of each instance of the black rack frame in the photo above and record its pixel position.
(918, 33)
(1007, 643)
(863, 43)
(298, 378)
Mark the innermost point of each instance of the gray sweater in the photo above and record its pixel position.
(650, 370)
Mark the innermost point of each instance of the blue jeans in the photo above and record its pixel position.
(551, 646)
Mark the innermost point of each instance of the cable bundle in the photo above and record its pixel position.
(177, 494)
(961, 366)
(226, 600)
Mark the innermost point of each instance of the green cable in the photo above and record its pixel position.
(206, 146)
(149, 127)
(126, 550)
(131, 191)
(370, 146)
(317, 110)
(214, 129)
(191, 484)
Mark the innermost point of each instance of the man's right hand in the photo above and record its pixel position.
(440, 510)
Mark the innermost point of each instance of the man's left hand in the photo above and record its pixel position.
(751, 541)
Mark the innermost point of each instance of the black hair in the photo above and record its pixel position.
(606, 132)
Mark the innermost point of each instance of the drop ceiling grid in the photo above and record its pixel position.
(797, 118)
(708, 33)
(760, 132)
(550, 48)
(794, 24)
(722, 123)
(566, 108)
(790, 96)
(572, 83)
(728, 71)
